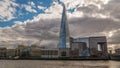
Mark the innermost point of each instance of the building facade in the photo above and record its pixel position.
(64, 39)
(92, 47)
(3, 52)
(80, 47)
(10, 53)
(35, 52)
(98, 46)
(49, 53)
(22, 51)
(117, 51)
(83, 45)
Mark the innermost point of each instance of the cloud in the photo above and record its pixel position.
(31, 3)
(41, 7)
(46, 31)
(8, 10)
(29, 8)
(31, 33)
(90, 18)
(55, 8)
(49, 43)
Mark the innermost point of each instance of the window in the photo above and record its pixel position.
(100, 46)
(63, 53)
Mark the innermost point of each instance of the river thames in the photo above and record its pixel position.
(58, 64)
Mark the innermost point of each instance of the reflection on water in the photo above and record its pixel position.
(57, 64)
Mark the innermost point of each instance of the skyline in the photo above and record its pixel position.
(39, 21)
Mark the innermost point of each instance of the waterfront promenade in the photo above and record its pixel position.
(57, 64)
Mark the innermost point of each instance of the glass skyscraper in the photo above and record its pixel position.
(64, 39)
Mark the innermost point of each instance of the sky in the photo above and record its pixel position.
(37, 22)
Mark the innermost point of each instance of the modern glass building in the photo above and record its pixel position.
(64, 39)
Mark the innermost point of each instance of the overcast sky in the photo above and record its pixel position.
(38, 21)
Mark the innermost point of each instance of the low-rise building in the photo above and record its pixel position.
(80, 47)
(98, 46)
(49, 53)
(64, 52)
(3, 52)
(22, 50)
(91, 46)
(11, 53)
(117, 51)
(35, 52)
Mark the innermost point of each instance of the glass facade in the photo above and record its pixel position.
(64, 41)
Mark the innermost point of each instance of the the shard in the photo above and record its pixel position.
(64, 38)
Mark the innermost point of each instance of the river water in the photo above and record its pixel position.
(58, 64)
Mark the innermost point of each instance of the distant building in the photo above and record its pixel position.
(22, 51)
(78, 49)
(83, 44)
(35, 52)
(111, 50)
(98, 46)
(117, 51)
(64, 52)
(11, 53)
(49, 53)
(64, 38)
(95, 46)
(3, 52)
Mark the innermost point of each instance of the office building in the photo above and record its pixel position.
(3, 52)
(49, 53)
(10, 53)
(35, 52)
(117, 51)
(64, 39)
(93, 46)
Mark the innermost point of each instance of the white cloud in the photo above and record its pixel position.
(29, 8)
(41, 7)
(32, 4)
(94, 8)
(7, 10)
(54, 9)
(74, 3)
(76, 14)
(47, 42)
(53, 12)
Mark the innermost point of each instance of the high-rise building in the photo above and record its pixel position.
(64, 40)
